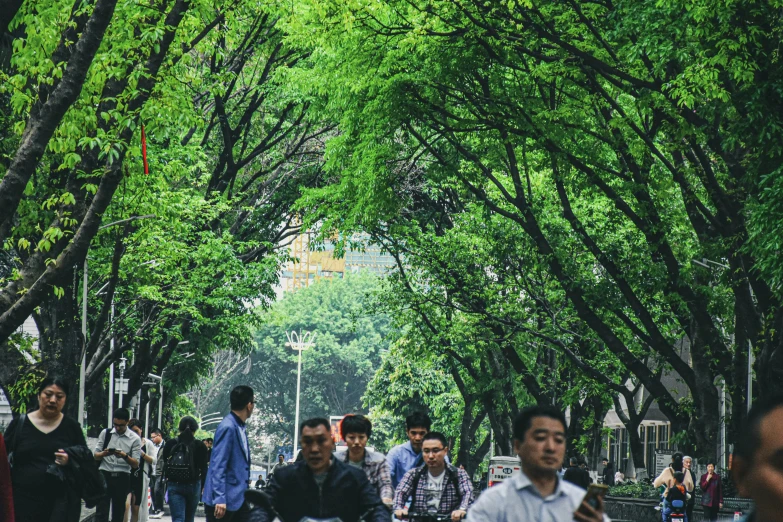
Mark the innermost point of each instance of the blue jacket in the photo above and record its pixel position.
(229, 466)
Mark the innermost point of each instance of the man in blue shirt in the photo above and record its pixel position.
(537, 494)
(407, 456)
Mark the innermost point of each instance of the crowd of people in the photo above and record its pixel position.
(47, 470)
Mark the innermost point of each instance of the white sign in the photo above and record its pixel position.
(121, 386)
(662, 460)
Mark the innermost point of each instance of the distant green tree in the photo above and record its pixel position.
(349, 340)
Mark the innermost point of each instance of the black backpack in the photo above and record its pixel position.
(181, 462)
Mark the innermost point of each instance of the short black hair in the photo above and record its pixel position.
(418, 419)
(135, 422)
(573, 461)
(712, 463)
(355, 424)
(153, 431)
(121, 413)
(314, 423)
(677, 461)
(679, 476)
(241, 396)
(60, 382)
(749, 437)
(189, 424)
(524, 418)
(436, 435)
(604, 459)
(280, 455)
(209, 439)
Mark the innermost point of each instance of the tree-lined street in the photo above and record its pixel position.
(577, 204)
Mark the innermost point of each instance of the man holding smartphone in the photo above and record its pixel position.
(537, 494)
(118, 456)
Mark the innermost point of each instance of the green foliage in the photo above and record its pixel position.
(348, 342)
(641, 490)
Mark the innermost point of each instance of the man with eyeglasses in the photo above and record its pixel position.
(321, 486)
(437, 487)
(118, 451)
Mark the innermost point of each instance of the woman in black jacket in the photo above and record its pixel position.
(44, 443)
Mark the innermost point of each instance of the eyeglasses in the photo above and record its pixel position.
(433, 451)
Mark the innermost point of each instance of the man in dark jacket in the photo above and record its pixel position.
(576, 475)
(319, 487)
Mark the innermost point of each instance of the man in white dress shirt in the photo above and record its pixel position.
(537, 494)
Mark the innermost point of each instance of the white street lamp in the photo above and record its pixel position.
(299, 341)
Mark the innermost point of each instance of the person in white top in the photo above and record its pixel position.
(140, 509)
(537, 494)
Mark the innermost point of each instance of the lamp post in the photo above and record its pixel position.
(299, 342)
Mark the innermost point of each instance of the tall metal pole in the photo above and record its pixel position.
(160, 403)
(84, 346)
(750, 375)
(147, 418)
(122, 381)
(298, 390)
(299, 342)
(110, 407)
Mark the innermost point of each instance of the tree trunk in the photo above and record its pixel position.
(60, 341)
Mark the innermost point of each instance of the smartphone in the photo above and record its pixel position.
(591, 497)
(111, 450)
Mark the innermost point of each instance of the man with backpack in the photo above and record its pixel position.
(118, 451)
(437, 487)
(229, 469)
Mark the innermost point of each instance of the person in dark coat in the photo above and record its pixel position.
(608, 473)
(42, 491)
(711, 493)
(576, 475)
(6, 495)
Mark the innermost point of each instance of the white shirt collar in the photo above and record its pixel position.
(521, 481)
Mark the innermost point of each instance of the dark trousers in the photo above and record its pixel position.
(689, 508)
(711, 513)
(240, 515)
(157, 498)
(117, 487)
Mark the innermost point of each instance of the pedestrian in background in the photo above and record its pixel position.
(184, 466)
(118, 451)
(577, 475)
(406, 456)
(281, 463)
(355, 431)
(711, 493)
(39, 440)
(6, 494)
(690, 478)
(208, 443)
(157, 483)
(666, 478)
(608, 473)
(229, 471)
(140, 479)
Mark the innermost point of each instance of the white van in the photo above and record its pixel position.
(502, 468)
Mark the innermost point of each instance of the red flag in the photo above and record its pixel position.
(144, 150)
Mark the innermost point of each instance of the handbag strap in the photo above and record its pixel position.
(15, 442)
